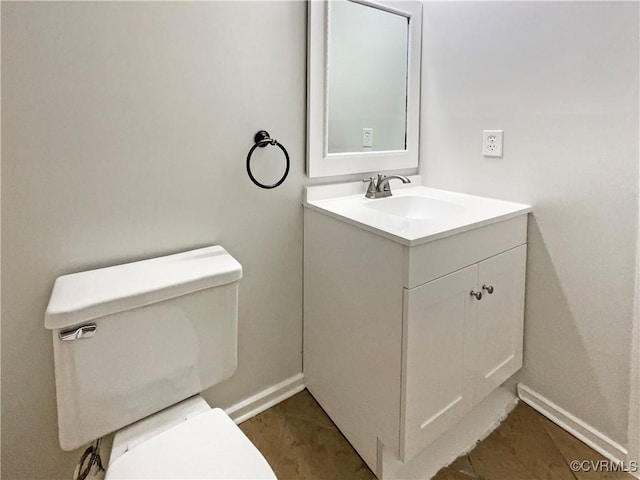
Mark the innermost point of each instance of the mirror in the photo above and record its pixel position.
(363, 86)
(366, 59)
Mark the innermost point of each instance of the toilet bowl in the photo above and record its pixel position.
(188, 440)
(134, 345)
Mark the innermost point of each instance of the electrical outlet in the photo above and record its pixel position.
(367, 137)
(492, 143)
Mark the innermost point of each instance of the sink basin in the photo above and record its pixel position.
(414, 215)
(417, 208)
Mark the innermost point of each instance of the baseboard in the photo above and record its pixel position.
(267, 398)
(572, 424)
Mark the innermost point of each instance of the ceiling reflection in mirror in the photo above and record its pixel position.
(366, 79)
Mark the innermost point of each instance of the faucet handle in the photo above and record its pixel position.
(371, 189)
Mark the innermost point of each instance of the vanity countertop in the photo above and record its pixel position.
(415, 214)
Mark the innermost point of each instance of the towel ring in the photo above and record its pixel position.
(263, 139)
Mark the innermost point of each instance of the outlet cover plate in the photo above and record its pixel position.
(367, 137)
(492, 143)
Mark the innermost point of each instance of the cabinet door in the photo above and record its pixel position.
(499, 324)
(438, 321)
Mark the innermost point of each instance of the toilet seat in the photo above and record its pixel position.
(207, 445)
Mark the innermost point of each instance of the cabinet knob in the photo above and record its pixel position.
(488, 288)
(478, 295)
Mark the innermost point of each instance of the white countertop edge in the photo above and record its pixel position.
(427, 238)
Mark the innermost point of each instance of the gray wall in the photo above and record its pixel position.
(125, 132)
(561, 79)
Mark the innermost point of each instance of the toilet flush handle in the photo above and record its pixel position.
(83, 331)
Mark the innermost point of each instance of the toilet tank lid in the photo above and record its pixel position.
(84, 296)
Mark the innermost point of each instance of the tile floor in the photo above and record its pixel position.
(301, 443)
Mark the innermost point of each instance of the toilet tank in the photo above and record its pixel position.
(133, 339)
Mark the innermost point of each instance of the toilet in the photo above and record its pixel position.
(134, 346)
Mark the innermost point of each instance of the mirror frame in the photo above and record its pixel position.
(320, 163)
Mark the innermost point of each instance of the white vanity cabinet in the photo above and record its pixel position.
(396, 349)
(457, 348)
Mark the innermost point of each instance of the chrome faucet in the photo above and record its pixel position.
(380, 188)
